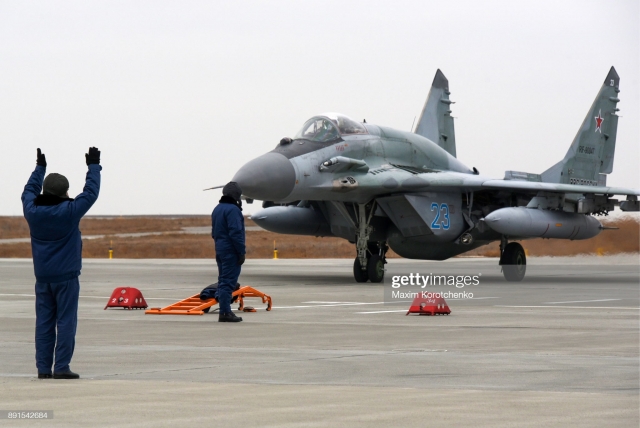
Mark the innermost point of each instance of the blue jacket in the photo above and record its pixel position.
(227, 228)
(56, 244)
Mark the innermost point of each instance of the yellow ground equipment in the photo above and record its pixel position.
(194, 306)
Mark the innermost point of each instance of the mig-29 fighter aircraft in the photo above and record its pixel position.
(379, 187)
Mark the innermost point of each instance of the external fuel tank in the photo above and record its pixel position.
(536, 223)
(292, 220)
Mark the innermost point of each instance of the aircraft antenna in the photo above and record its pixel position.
(414, 122)
(215, 187)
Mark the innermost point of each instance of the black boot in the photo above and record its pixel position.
(45, 376)
(230, 317)
(66, 375)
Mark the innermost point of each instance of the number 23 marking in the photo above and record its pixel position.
(442, 208)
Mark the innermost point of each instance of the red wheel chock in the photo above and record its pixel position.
(126, 297)
(433, 304)
(194, 306)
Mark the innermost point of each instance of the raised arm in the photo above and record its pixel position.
(89, 195)
(34, 185)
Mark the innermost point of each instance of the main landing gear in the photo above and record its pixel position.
(371, 257)
(513, 260)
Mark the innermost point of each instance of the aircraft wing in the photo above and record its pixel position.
(556, 187)
(453, 181)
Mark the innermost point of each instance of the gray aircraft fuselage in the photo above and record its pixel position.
(291, 172)
(374, 186)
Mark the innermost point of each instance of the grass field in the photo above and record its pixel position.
(171, 241)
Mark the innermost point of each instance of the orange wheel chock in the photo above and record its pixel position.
(194, 306)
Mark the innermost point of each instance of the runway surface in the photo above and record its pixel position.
(559, 349)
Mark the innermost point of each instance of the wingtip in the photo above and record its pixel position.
(612, 76)
(440, 81)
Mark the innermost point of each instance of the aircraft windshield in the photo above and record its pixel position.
(318, 129)
(346, 125)
(329, 127)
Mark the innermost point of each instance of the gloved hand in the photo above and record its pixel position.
(241, 260)
(93, 157)
(42, 161)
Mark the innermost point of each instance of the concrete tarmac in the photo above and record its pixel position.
(560, 348)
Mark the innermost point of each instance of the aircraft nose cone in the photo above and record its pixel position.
(270, 177)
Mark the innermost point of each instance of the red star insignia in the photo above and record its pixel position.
(599, 121)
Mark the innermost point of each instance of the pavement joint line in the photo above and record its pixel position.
(581, 301)
(90, 297)
(381, 312)
(320, 306)
(361, 303)
(295, 360)
(568, 307)
(318, 302)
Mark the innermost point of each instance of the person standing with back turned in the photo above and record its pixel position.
(227, 230)
(56, 246)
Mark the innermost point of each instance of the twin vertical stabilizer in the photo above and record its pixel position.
(591, 154)
(435, 122)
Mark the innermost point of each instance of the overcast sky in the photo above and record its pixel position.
(179, 94)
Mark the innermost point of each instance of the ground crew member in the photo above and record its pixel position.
(56, 246)
(227, 230)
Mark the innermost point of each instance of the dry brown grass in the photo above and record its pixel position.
(260, 243)
(13, 227)
(17, 227)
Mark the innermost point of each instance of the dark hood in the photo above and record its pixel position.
(230, 200)
(50, 200)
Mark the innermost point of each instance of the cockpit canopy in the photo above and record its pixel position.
(329, 127)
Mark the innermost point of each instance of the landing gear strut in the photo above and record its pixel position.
(370, 260)
(513, 260)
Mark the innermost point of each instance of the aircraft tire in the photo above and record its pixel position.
(359, 274)
(375, 268)
(514, 262)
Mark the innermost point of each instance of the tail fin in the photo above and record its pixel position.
(590, 156)
(435, 121)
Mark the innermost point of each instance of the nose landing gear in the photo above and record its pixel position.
(370, 260)
(374, 269)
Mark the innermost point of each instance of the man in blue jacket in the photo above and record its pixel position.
(56, 246)
(227, 230)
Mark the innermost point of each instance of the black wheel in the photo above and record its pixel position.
(206, 310)
(375, 268)
(359, 274)
(514, 262)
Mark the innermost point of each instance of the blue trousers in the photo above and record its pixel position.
(228, 273)
(56, 322)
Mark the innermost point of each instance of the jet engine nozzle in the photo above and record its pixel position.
(270, 177)
(536, 223)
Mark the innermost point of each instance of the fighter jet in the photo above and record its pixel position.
(379, 187)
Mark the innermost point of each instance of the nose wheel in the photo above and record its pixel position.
(375, 268)
(360, 275)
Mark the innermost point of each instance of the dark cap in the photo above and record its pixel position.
(55, 184)
(233, 190)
